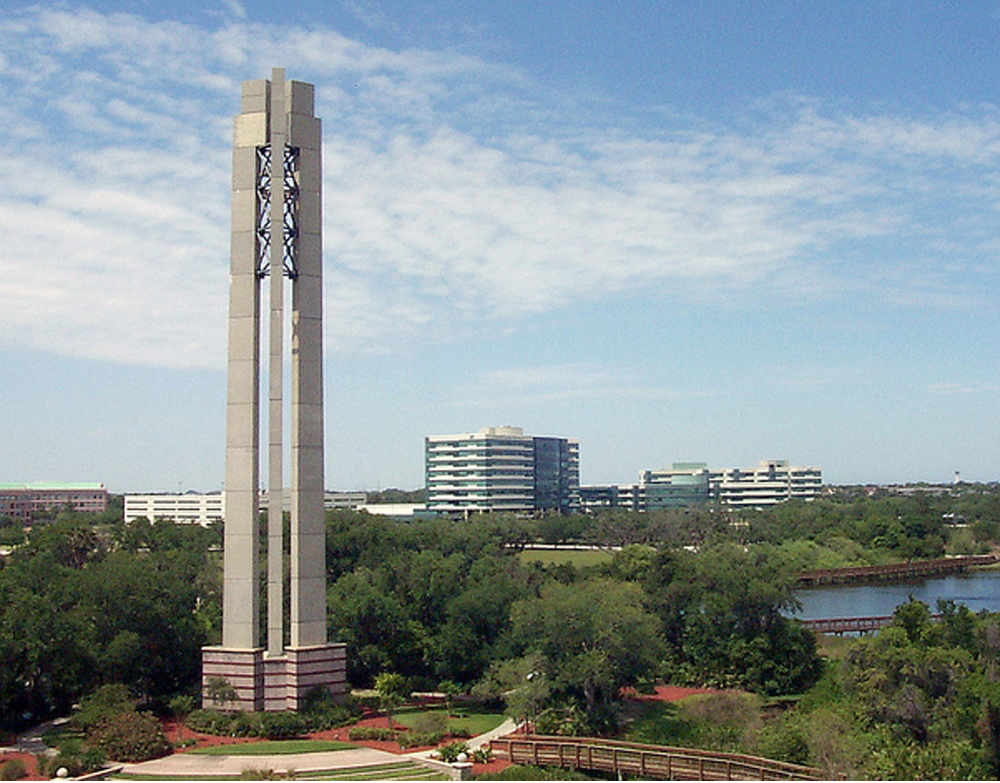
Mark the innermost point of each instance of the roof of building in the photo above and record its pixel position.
(53, 485)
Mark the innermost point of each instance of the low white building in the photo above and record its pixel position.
(186, 508)
(771, 482)
(195, 508)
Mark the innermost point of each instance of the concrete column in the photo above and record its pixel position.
(276, 372)
(308, 532)
(240, 615)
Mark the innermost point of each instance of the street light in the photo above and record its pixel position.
(530, 677)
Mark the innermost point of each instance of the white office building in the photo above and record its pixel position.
(771, 482)
(691, 483)
(187, 508)
(501, 469)
(195, 508)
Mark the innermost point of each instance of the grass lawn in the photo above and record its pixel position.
(403, 770)
(273, 748)
(578, 558)
(475, 723)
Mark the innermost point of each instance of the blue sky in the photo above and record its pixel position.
(717, 231)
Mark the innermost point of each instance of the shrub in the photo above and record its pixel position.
(375, 733)
(783, 740)
(322, 710)
(129, 736)
(521, 772)
(106, 702)
(182, 704)
(273, 725)
(13, 770)
(259, 774)
(332, 718)
(209, 722)
(78, 760)
(449, 753)
(220, 692)
(282, 725)
(246, 724)
(482, 755)
(319, 699)
(419, 739)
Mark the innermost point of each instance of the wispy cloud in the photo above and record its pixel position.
(457, 196)
(963, 389)
(518, 386)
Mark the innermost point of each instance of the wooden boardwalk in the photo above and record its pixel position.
(842, 625)
(915, 569)
(655, 762)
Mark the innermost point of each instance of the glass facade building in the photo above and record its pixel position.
(690, 483)
(685, 484)
(501, 469)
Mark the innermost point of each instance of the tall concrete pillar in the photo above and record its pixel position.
(276, 233)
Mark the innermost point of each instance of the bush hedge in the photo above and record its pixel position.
(129, 736)
(419, 739)
(272, 725)
(14, 769)
(375, 733)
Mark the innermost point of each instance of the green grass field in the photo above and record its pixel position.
(475, 723)
(583, 558)
(273, 748)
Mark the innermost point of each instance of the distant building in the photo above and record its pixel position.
(186, 508)
(690, 483)
(771, 482)
(683, 484)
(501, 469)
(402, 511)
(195, 508)
(22, 502)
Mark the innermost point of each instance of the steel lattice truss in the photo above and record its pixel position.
(290, 228)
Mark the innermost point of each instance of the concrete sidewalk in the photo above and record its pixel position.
(196, 765)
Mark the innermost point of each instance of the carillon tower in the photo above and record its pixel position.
(277, 245)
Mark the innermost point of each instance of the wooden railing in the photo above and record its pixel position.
(839, 625)
(916, 569)
(648, 761)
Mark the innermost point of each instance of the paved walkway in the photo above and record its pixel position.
(31, 740)
(196, 765)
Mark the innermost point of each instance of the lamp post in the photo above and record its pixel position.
(530, 677)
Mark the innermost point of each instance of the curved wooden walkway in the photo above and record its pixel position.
(656, 762)
(915, 569)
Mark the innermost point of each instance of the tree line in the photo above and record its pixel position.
(694, 596)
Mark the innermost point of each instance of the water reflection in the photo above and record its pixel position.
(978, 590)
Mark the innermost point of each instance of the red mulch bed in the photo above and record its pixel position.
(29, 763)
(666, 693)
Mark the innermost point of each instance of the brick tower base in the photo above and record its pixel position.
(251, 681)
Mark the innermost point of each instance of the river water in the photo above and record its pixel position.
(978, 590)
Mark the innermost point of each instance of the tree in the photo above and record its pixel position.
(450, 689)
(592, 638)
(734, 629)
(393, 690)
